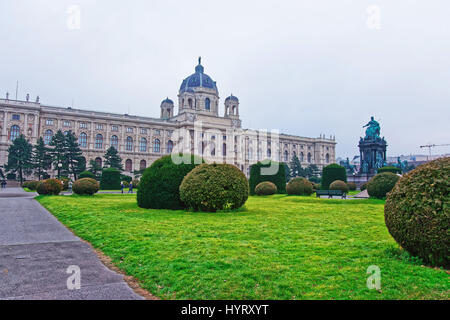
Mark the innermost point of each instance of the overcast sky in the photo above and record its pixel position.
(303, 67)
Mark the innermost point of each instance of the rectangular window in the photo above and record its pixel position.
(83, 125)
(157, 132)
(16, 116)
(143, 131)
(99, 126)
(66, 123)
(49, 122)
(114, 128)
(130, 130)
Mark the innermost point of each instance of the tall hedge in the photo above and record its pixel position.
(332, 173)
(160, 183)
(110, 179)
(279, 178)
(417, 212)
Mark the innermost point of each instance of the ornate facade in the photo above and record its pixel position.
(197, 128)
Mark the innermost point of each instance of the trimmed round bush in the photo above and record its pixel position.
(110, 179)
(86, 186)
(212, 187)
(332, 173)
(300, 187)
(351, 186)
(159, 187)
(49, 187)
(86, 174)
(32, 185)
(265, 188)
(339, 185)
(363, 186)
(316, 186)
(381, 184)
(417, 212)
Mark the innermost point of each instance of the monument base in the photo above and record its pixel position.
(360, 178)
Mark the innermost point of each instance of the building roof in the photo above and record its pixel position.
(198, 80)
(231, 97)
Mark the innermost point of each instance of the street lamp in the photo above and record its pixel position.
(59, 169)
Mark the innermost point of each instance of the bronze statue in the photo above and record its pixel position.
(373, 129)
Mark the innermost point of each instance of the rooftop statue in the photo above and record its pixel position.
(373, 130)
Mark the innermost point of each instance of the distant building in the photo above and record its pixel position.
(142, 140)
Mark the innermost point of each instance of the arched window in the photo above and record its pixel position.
(143, 165)
(99, 161)
(83, 140)
(302, 157)
(269, 153)
(286, 156)
(169, 146)
(129, 145)
(224, 149)
(327, 158)
(309, 157)
(233, 110)
(99, 141)
(48, 135)
(213, 149)
(15, 132)
(115, 142)
(129, 165)
(143, 145)
(156, 145)
(207, 104)
(190, 103)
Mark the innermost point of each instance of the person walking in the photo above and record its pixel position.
(130, 188)
(4, 184)
(121, 186)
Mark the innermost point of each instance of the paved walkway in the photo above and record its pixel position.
(36, 250)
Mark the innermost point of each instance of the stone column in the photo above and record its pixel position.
(4, 131)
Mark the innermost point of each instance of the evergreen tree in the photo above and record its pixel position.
(312, 171)
(112, 159)
(58, 152)
(295, 167)
(95, 168)
(76, 163)
(20, 158)
(42, 159)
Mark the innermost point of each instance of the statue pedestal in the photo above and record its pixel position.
(360, 178)
(372, 155)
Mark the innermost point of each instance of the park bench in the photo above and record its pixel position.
(331, 193)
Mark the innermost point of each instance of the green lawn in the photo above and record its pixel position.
(277, 247)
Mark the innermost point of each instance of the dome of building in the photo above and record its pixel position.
(167, 100)
(198, 80)
(233, 98)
